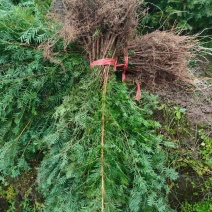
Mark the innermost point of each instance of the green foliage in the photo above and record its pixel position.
(135, 172)
(191, 141)
(203, 206)
(30, 87)
(191, 155)
(206, 148)
(191, 16)
(173, 120)
(51, 114)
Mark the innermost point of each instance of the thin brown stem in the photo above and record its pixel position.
(104, 92)
(93, 50)
(17, 139)
(105, 75)
(97, 47)
(110, 44)
(23, 130)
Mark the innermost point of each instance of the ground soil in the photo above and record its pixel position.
(197, 100)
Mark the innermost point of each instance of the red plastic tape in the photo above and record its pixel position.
(138, 92)
(123, 66)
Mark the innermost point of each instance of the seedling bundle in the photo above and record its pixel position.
(107, 29)
(72, 136)
(110, 157)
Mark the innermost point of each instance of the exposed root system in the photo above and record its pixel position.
(107, 28)
(162, 57)
(90, 22)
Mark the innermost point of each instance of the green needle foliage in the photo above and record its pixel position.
(52, 114)
(135, 172)
(193, 17)
(30, 87)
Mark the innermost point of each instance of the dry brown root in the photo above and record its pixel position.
(162, 57)
(95, 23)
(103, 27)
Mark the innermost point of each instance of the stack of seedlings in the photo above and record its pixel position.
(112, 159)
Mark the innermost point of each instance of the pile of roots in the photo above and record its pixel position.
(99, 25)
(161, 57)
(107, 29)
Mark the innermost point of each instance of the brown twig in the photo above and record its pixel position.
(105, 74)
(162, 56)
(17, 139)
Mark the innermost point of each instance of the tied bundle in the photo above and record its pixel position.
(107, 32)
(103, 27)
(161, 57)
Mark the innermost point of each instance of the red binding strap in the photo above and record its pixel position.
(138, 92)
(124, 66)
(113, 62)
(105, 61)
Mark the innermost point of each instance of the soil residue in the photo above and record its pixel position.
(196, 101)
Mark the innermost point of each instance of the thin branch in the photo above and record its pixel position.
(19, 136)
(105, 73)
